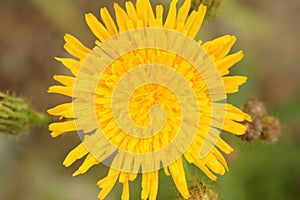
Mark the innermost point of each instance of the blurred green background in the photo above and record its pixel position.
(31, 35)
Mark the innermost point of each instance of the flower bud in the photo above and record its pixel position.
(15, 115)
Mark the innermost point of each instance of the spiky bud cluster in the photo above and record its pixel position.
(13, 114)
(212, 6)
(16, 114)
(201, 190)
(263, 126)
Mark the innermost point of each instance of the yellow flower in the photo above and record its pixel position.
(148, 96)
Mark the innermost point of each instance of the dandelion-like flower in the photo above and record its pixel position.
(148, 96)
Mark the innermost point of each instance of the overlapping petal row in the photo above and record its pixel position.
(133, 17)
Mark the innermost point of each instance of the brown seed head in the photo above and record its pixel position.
(201, 190)
(271, 129)
(253, 131)
(255, 108)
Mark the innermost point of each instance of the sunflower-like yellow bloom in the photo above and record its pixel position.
(148, 96)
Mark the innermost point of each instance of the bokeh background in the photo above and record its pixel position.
(31, 35)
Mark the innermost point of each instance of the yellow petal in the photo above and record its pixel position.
(178, 175)
(108, 21)
(159, 15)
(234, 127)
(77, 153)
(145, 185)
(108, 183)
(183, 12)
(198, 21)
(188, 156)
(111, 178)
(131, 13)
(190, 22)
(236, 114)
(75, 47)
(153, 185)
(200, 164)
(220, 158)
(129, 25)
(141, 10)
(166, 170)
(65, 80)
(232, 83)
(248, 117)
(214, 164)
(150, 14)
(125, 193)
(121, 17)
(105, 191)
(180, 27)
(89, 161)
(68, 91)
(219, 47)
(132, 176)
(226, 48)
(71, 64)
(171, 18)
(223, 146)
(96, 27)
(216, 44)
(64, 110)
(227, 62)
(62, 127)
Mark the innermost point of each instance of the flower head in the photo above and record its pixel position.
(148, 96)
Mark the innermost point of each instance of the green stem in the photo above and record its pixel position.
(38, 118)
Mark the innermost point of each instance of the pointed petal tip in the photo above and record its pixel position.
(248, 117)
(50, 89)
(240, 54)
(67, 36)
(88, 15)
(69, 161)
(116, 5)
(187, 196)
(203, 8)
(55, 77)
(55, 134)
(50, 111)
(66, 164)
(76, 173)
